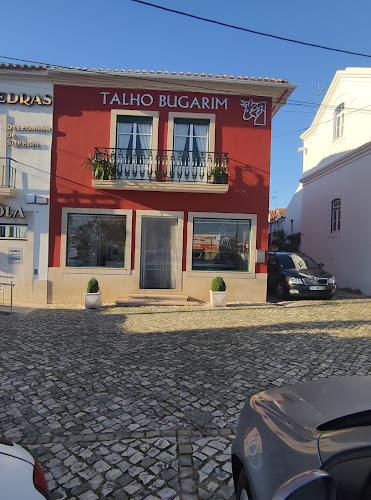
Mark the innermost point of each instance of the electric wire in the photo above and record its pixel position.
(285, 39)
(320, 123)
(211, 89)
(291, 102)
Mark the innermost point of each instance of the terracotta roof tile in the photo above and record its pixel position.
(130, 71)
(276, 214)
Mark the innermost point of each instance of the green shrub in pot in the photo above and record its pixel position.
(218, 285)
(218, 294)
(93, 286)
(93, 296)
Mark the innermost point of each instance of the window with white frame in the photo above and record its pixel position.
(134, 133)
(336, 215)
(191, 137)
(133, 144)
(339, 121)
(96, 240)
(221, 244)
(134, 147)
(190, 150)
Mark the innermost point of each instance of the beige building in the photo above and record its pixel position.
(26, 114)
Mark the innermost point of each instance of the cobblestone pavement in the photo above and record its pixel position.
(142, 403)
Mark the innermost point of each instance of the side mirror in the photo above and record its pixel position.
(315, 484)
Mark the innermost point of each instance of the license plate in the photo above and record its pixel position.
(317, 287)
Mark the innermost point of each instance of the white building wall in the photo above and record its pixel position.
(351, 87)
(346, 254)
(340, 168)
(32, 166)
(293, 213)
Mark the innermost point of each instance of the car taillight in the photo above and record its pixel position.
(39, 481)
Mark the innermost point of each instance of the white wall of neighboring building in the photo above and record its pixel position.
(347, 253)
(351, 87)
(24, 124)
(293, 213)
(340, 169)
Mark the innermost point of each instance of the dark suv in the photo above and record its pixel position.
(293, 274)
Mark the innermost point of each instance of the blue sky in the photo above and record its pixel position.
(124, 34)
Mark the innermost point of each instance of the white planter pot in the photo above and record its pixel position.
(218, 299)
(93, 300)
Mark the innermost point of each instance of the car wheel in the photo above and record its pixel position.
(243, 488)
(280, 290)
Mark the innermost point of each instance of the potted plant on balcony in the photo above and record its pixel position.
(102, 168)
(93, 296)
(218, 294)
(219, 174)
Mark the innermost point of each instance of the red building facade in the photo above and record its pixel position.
(175, 186)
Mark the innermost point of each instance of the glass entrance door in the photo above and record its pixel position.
(158, 252)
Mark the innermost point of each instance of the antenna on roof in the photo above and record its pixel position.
(275, 199)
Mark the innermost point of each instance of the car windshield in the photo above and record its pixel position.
(295, 261)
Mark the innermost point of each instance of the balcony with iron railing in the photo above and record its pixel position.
(7, 178)
(159, 170)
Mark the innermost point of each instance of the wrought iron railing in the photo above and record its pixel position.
(159, 165)
(7, 173)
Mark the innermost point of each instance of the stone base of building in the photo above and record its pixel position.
(69, 287)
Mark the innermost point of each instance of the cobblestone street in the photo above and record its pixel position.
(142, 403)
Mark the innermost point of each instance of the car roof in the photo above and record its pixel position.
(321, 404)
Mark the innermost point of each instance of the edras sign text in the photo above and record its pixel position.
(164, 100)
(28, 100)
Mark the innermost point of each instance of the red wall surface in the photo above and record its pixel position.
(82, 122)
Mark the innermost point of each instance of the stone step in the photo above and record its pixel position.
(157, 296)
(153, 299)
(127, 303)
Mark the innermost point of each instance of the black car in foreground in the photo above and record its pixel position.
(310, 441)
(292, 274)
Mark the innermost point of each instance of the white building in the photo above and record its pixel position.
(26, 120)
(292, 222)
(336, 181)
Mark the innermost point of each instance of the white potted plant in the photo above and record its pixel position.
(93, 296)
(218, 294)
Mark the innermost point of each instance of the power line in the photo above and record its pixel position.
(237, 92)
(322, 123)
(331, 107)
(28, 61)
(291, 102)
(226, 92)
(193, 16)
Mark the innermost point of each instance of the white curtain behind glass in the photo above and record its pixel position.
(200, 136)
(181, 133)
(144, 133)
(158, 252)
(124, 134)
(135, 141)
(190, 139)
(144, 153)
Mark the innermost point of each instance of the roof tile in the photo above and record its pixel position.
(137, 71)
